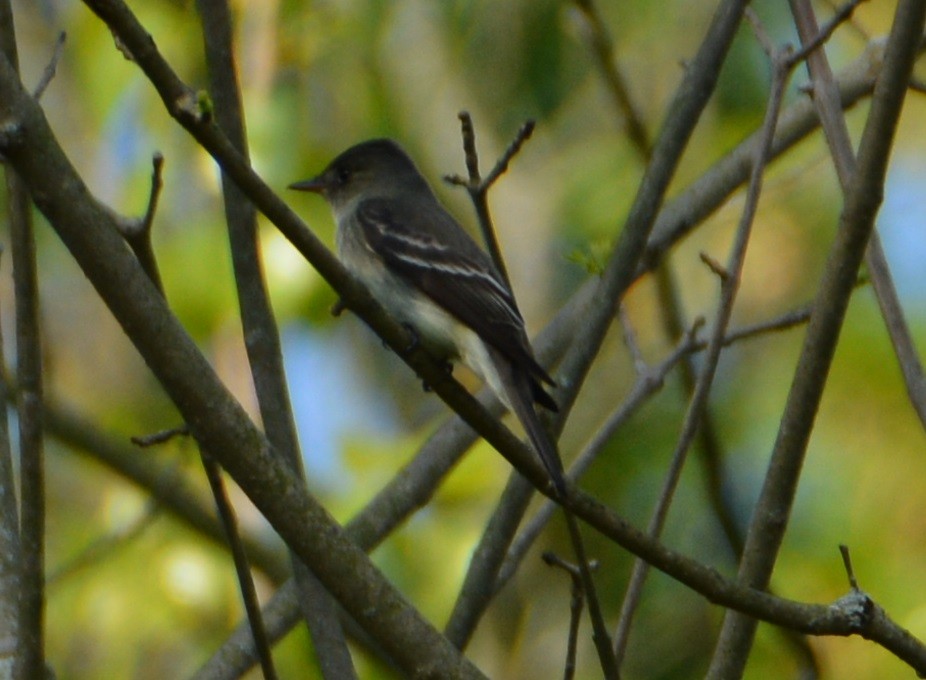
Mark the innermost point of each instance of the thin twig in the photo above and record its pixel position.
(49, 73)
(762, 36)
(603, 51)
(501, 165)
(137, 231)
(606, 657)
(31, 447)
(847, 562)
(646, 385)
(104, 547)
(29, 659)
(728, 289)
(160, 437)
(824, 33)
(157, 167)
(853, 23)
(770, 517)
(261, 334)
(478, 188)
(575, 608)
(722, 272)
(477, 586)
(242, 565)
(138, 235)
(630, 340)
(841, 148)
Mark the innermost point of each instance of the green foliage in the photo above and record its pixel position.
(318, 76)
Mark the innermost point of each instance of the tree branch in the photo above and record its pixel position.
(770, 516)
(29, 659)
(837, 137)
(218, 422)
(259, 328)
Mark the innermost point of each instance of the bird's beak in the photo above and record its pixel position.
(316, 185)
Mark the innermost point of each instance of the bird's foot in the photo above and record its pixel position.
(448, 369)
(415, 340)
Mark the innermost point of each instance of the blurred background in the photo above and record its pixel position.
(136, 594)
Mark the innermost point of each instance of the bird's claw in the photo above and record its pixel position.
(448, 368)
(415, 340)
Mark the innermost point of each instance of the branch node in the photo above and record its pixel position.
(456, 180)
(554, 560)
(11, 133)
(135, 228)
(858, 607)
(842, 14)
(196, 107)
(121, 46)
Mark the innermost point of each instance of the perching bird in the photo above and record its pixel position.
(428, 273)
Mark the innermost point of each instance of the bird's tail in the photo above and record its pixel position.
(519, 394)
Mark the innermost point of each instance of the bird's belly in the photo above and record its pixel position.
(441, 333)
(435, 328)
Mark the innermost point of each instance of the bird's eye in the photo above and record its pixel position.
(343, 176)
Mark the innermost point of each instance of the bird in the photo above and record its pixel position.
(395, 236)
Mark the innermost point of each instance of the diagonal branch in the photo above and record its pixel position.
(28, 652)
(259, 328)
(837, 137)
(856, 223)
(216, 420)
(222, 427)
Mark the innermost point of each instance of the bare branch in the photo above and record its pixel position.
(729, 287)
(10, 550)
(137, 231)
(841, 16)
(52, 67)
(104, 547)
(715, 267)
(161, 437)
(847, 562)
(575, 608)
(841, 147)
(630, 340)
(29, 655)
(603, 52)
(855, 227)
(261, 335)
(478, 188)
(216, 419)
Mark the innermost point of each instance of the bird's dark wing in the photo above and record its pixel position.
(444, 263)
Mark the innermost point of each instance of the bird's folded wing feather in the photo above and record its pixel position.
(445, 264)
